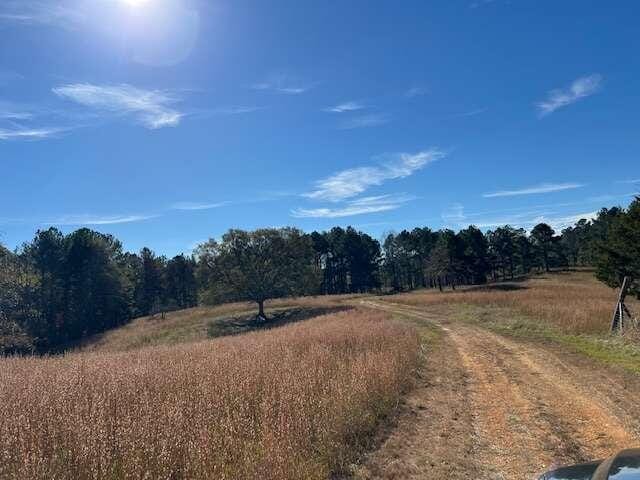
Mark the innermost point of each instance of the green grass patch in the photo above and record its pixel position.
(608, 349)
(430, 334)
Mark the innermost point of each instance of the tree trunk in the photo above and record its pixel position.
(261, 314)
(546, 262)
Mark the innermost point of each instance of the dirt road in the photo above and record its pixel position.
(489, 407)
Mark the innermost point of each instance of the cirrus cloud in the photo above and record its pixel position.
(21, 133)
(198, 206)
(350, 106)
(363, 121)
(343, 189)
(86, 219)
(354, 181)
(150, 108)
(579, 89)
(535, 189)
(284, 83)
(380, 203)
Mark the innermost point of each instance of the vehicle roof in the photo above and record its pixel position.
(625, 465)
(583, 471)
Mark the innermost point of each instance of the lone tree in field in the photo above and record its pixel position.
(256, 266)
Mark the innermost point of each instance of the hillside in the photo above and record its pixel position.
(571, 301)
(296, 402)
(504, 368)
(201, 323)
(564, 306)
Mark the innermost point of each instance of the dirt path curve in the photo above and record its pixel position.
(489, 407)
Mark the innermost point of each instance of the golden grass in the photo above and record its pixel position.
(574, 302)
(290, 403)
(192, 324)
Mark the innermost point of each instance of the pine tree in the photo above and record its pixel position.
(620, 252)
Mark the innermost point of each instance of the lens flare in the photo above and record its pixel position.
(135, 3)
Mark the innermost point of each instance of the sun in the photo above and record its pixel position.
(135, 3)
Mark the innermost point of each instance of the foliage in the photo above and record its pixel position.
(543, 238)
(59, 288)
(619, 254)
(258, 265)
(14, 281)
(349, 260)
(445, 258)
(62, 288)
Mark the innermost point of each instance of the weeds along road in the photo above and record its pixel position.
(489, 407)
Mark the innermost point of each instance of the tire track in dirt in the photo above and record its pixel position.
(434, 436)
(528, 407)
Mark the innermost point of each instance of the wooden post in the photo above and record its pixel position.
(617, 322)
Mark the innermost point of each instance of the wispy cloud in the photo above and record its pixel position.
(32, 122)
(630, 181)
(343, 188)
(16, 112)
(560, 222)
(283, 83)
(151, 108)
(579, 89)
(236, 110)
(87, 219)
(60, 13)
(198, 206)
(556, 221)
(540, 209)
(535, 189)
(14, 115)
(416, 92)
(364, 205)
(354, 181)
(455, 217)
(470, 113)
(345, 107)
(20, 133)
(364, 121)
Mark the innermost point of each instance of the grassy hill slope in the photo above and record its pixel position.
(204, 322)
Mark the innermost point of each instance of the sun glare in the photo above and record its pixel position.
(135, 3)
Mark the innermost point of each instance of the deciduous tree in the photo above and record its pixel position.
(259, 265)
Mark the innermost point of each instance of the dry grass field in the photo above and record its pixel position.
(573, 302)
(194, 324)
(290, 403)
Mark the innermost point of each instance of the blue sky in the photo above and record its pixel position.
(166, 122)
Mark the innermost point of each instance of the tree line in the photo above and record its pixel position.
(58, 289)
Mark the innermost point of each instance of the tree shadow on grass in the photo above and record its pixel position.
(222, 327)
(496, 287)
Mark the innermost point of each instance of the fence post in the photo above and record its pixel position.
(617, 322)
